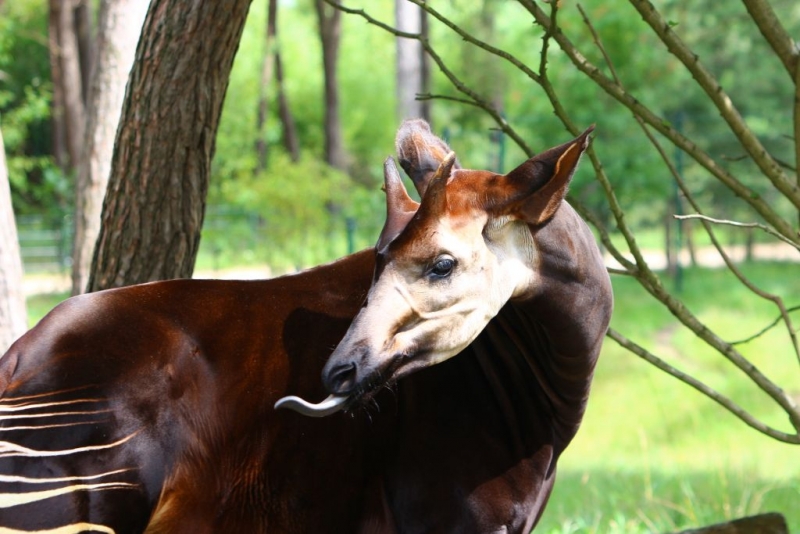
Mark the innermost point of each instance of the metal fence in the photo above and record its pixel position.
(45, 242)
(228, 233)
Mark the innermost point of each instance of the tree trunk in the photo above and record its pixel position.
(13, 319)
(267, 64)
(155, 202)
(65, 61)
(119, 27)
(330, 33)
(59, 139)
(409, 72)
(272, 61)
(425, 66)
(769, 523)
(290, 141)
(86, 44)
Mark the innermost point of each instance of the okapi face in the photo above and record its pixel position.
(447, 266)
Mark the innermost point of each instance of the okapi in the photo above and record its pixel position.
(150, 408)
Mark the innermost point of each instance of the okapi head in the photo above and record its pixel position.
(446, 266)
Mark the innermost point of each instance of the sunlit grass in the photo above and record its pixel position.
(653, 455)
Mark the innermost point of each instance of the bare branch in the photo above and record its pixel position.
(721, 100)
(762, 14)
(661, 125)
(766, 329)
(724, 401)
(776, 393)
(477, 42)
(760, 226)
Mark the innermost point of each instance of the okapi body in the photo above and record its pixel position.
(150, 408)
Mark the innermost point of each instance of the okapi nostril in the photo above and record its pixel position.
(341, 380)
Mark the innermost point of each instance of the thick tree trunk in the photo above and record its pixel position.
(410, 70)
(119, 27)
(155, 201)
(13, 320)
(67, 82)
(330, 28)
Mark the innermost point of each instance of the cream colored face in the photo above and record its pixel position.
(433, 295)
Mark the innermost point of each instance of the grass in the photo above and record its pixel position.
(653, 455)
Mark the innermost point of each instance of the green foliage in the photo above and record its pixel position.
(298, 211)
(25, 94)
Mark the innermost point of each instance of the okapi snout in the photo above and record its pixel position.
(340, 378)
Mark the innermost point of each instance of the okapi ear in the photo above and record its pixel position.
(400, 207)
(540, 184)
(420, 152)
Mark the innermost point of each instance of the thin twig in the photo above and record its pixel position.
(724, 401)
(760, 226)
(765, 384)
(770, 26)
(661, 125)
(766, 329)
(720, 98)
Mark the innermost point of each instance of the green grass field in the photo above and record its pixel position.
(653, 455)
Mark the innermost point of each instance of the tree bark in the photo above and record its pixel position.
(119, 27)
(82, 14)
(770, 523)
(13, 319)
(155, 201)
(272, 63)
(67, 82)
(59, 139)
(290, 141)
(267, 64)
(409, 71)
(330, 27)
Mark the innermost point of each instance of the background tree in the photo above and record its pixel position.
(13, 320)
(411, 68)
(119, 27)
(155, 202)
(69, 114)
(330, 27)
(272, 62)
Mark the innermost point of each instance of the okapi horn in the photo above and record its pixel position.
(400, 207)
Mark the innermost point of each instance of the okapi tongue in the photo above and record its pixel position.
(329, 406)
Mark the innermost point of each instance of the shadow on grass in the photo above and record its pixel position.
(617, 502)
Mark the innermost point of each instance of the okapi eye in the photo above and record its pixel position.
(443, 267)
